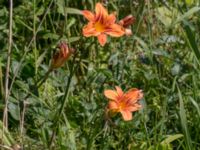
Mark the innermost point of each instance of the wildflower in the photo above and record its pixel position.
(101, 24)
(125, 103)
(126, 22)
(61, 56)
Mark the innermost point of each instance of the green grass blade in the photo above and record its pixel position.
(171, 138)
(183, 119)
(192, 40)
(195, 105)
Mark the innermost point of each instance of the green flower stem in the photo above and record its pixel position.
(63, 103)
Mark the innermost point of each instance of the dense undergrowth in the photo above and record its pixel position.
(68, 109)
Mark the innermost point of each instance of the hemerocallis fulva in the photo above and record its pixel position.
(125, 103)
(101, 24)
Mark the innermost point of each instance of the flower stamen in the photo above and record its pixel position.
(99, 27)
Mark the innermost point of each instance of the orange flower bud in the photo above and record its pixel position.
(127, 21)
(60, 57)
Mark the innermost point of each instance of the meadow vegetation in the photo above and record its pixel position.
(60, 67)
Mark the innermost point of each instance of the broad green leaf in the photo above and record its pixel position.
(60, 4)
(41, 58)
(169, 15)
(22, 85)
(14, 111)
(186, 15)
(66, 10)
(171, 138)
(51, 36)
(73, 11)
(70, 22)
(163, 12)
(189, 2)
(73, 39)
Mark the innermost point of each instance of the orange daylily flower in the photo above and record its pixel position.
(60, 57)
(101, 24)
(125, 103)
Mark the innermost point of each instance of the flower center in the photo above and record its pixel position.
(122, 105)
(99, 27)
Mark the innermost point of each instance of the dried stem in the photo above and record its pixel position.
(1, 82)
(6, 94)
(22, 121)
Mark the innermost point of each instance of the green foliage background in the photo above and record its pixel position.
(161, 58)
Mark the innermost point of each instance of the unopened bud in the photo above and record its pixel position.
(60, 57)
(127, 21)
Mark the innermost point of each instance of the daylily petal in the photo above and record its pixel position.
(115, 30)
(101, 12)
(119, 91)
(110, 19)
(133, 95)
(110, 94)
(88, 15)
(137, 105)
(102, 39)
(127, 115)
(113, 105)
(133, 108)
(89, 30)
